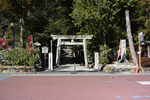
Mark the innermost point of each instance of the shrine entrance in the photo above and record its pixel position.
(62, 40)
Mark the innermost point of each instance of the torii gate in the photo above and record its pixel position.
(72, 37)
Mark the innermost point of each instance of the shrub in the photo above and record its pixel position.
(128, 54)
(104, 50)
(21, 56)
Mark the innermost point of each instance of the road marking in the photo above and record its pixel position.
(118, 97)
(146, 96)
(144, 82)
(113, 81)
(137, 96)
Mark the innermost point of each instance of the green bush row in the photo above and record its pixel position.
(21, 56)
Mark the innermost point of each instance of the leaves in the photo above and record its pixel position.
(104, 50)
(20, 56)
(17, 8)
(104, 19)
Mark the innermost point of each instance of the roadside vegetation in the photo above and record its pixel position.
(104, 19)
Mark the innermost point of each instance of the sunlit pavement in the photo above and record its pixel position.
(74, 87)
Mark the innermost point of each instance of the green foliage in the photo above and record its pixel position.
(128, 54)
(104, 19)
(21, 56)
(104, 52)
(16, 8)
(144, 15)
(8, 35)
(58, 27)
(98, 18)
(42, 38)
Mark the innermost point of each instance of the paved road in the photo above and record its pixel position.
(75, 87)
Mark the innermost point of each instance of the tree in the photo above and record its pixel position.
(130, 37)
(104, 19)
(142, 17)
(18, 9)
(97, 18)
(126, 6)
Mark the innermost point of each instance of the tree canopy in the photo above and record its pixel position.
(104, 19)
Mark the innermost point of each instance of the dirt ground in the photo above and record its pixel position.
(145, 62)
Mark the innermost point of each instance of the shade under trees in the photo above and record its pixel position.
(104, 19)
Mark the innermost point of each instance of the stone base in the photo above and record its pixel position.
(121, 67)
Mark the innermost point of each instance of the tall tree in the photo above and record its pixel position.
(143, 16)
(131, 45)
(16, 9)
(125, 7)
(96, 17)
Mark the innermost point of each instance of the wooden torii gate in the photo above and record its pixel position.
(72, 37)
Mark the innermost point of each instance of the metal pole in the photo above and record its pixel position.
(44, 59)
(140, 51)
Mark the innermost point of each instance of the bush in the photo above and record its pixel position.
(128, 54)
(21, 56)
(104, 50)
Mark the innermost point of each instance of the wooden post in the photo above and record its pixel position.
(136, 68)
(58, 52)
(85, 53)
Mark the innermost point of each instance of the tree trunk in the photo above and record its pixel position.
(13, 38)
(13, 35)
(21, 31)
(128, 28)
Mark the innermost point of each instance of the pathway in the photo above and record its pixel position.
(68, 64)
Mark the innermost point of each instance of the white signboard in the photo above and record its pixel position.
(44, 49)
(123, 50)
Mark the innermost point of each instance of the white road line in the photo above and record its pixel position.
(144, 82)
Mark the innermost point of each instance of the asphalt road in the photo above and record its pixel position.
(75, 87)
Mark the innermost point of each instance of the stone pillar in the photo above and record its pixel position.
(50, 61)
(85, 53)
(123, 50)
(58, 52)
(96, 61)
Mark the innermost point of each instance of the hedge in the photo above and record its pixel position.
(21, 56)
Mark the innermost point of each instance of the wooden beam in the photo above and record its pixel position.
(71, 36)
(85, 53)
(58, 52)
(72, 43)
